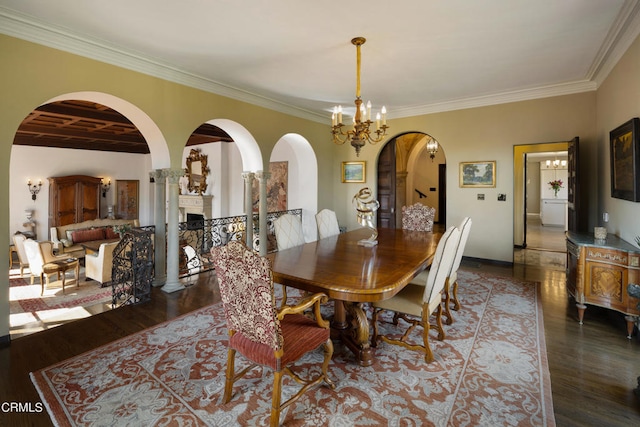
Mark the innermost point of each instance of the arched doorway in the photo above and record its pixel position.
(408, 174)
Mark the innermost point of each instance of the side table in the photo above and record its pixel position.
(61, 267)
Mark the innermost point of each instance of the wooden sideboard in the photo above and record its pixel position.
(599, 271)
(73, 199)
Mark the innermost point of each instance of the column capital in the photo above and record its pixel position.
(263, 176)
(248, 176)
(174, 175)
(158, 174)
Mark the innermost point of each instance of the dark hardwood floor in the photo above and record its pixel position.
(593, 367)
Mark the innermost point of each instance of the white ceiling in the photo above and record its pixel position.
(295, 56)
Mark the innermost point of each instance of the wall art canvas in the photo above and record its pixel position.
(277, 187)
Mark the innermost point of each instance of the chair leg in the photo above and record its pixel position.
(41, 282)
(441, 333)
(228, 385)
(447, 301)
(456, 302)
(428, 354)
(328, 354)
(275, 400)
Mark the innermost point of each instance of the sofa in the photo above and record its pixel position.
(68, 239)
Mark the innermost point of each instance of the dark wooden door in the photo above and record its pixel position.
(67, 206)
(90, 200)
(442, 193)
(387, 186)
(575, 219)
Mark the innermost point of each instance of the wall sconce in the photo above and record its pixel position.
(34, 189)
(105, 187)
(432, 148)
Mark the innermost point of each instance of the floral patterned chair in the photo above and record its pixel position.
(415, 303)
(418, 217)
(264, 335)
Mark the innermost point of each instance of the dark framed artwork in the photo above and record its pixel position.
(127, 199)
(625, 161)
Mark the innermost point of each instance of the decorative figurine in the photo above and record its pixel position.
(365, 206)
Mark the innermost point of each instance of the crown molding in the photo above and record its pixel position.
(496, 99)
(624, 31)
(25, 27)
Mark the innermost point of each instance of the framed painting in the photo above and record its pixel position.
(127, 199)
(354, 172)
(277, 188)
(478, 174)
(625, 156)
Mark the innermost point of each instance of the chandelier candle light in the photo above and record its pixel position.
(360, 133)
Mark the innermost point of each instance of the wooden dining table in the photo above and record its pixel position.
(351, 275)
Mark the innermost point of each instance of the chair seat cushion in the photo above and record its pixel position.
(409, 301)
(300, 334)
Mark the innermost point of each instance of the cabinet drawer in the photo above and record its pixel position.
(607, 256)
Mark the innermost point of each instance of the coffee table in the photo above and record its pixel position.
(60, 267)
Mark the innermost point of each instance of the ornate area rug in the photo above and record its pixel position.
(26, 305)
(491, 370)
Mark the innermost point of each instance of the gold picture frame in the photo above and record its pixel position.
(480, 174)
(354, 172)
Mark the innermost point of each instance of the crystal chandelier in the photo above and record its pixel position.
(360, 133)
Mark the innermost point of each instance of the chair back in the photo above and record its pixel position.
(465, 228)
(246, 290)
(418, 217)
(441, 264)
(288, 230)
(18, 242)
(327, 223)
(34, 255)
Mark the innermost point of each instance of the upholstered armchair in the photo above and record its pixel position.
(262, 334)
(39, 254)
(418, 217)
(98, 265)
(18, 242)
(327, 224)
(414, 303)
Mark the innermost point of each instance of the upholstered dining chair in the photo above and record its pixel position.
(414, 303)
(288, 229)
(418, 217)
(327, 223)
(264, 335)
(18, 242)
(451, 290)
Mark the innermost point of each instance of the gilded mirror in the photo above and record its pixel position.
(197, 171)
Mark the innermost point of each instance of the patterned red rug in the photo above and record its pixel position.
(491, 370)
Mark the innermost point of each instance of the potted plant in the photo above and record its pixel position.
(556, 185)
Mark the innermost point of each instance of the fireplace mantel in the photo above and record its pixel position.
(194, 204)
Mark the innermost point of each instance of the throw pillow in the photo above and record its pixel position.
(87, 235)
(110, 234)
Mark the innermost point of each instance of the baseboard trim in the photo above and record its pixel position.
(5, 341)
(471, 260)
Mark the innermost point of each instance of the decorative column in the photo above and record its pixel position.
(172, 284)
(263, 177)
(248, 206)
(159, 177)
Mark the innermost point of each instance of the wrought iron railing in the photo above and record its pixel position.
(132, 271)
(197, 237)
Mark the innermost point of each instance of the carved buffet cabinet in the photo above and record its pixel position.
(598, 272)
(73, 199)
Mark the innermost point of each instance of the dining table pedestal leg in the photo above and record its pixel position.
(351, 326)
